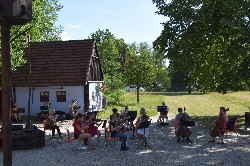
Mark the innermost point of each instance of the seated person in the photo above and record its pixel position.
(45, 113)
(50, 123)
(114, 128)
(142, 134)
(93, 127)
(164, 114)
(78, 127)
(222, 126)
(182, 131)
(120, 121)
(125, 118)
(17, 116)
(73, 112)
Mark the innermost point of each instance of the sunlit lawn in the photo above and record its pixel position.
(203, 108)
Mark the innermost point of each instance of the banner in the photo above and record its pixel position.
(95, 96)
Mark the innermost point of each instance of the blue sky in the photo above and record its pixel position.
(132, 20)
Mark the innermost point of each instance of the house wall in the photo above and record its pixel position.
(72, 92)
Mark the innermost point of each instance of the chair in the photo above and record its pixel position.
(108, 138)
(232, 120)
(71, 139)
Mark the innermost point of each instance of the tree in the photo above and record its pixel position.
(140, 68)
(112, 53)
(42, 28)
(208, 40)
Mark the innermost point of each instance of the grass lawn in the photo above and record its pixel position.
(203, 108)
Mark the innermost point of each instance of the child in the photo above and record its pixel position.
(222, 116)
(93, 130)
(78, 130)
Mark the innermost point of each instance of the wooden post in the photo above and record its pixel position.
(6, 93)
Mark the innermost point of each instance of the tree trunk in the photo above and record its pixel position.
(138, 100)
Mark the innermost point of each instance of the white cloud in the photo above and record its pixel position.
(107, 10)
(100, 10)
(74, 26)
(64, 35)
(140, 4)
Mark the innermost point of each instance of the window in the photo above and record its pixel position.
(44, 96)
(61, 96)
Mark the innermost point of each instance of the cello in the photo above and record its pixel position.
(214, 132)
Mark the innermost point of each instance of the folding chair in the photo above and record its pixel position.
(108, 138)
(71, 139)
(231, 120)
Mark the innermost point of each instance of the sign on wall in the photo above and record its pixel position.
(95, 96)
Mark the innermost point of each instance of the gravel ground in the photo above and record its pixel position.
(165, 150)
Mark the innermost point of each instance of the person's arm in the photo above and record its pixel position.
(81, 128)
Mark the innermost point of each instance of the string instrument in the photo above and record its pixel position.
(183, 131)
(214, 132)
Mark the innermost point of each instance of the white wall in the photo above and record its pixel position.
(72, 92)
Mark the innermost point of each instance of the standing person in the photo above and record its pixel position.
(73, 112)
(17, 115)
(182, 131)
(78, 127)
(222, 125)
(114, 128)
(50, 123)
(164, 114)
(142, 133)
(93, 127)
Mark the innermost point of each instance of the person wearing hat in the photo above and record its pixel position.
(182, 131)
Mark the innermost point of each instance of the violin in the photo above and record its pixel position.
(145, 118)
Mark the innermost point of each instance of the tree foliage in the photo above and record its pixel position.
(42, 28)
(140, 66)
(208, 40)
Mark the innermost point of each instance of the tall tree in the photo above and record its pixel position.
(140, 68)
(209, 40)
(42, 28)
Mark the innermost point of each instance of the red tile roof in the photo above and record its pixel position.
(59, 63)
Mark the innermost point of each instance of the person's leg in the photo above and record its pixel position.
(88, 136)
(99, 137)
(221, 134)
(58, 131)
(15, 115)
(123, 138)
(53, 130)
(20, 116)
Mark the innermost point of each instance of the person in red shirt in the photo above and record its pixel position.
(78, 127)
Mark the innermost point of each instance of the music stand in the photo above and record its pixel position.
(44, 108)
(20, 110)
(132, 115)
(144, 125)
(164, 111)
(188, 124)
(105, 135)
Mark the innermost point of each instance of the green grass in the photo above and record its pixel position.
(203, 108)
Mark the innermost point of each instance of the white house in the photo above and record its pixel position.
(60, 72)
